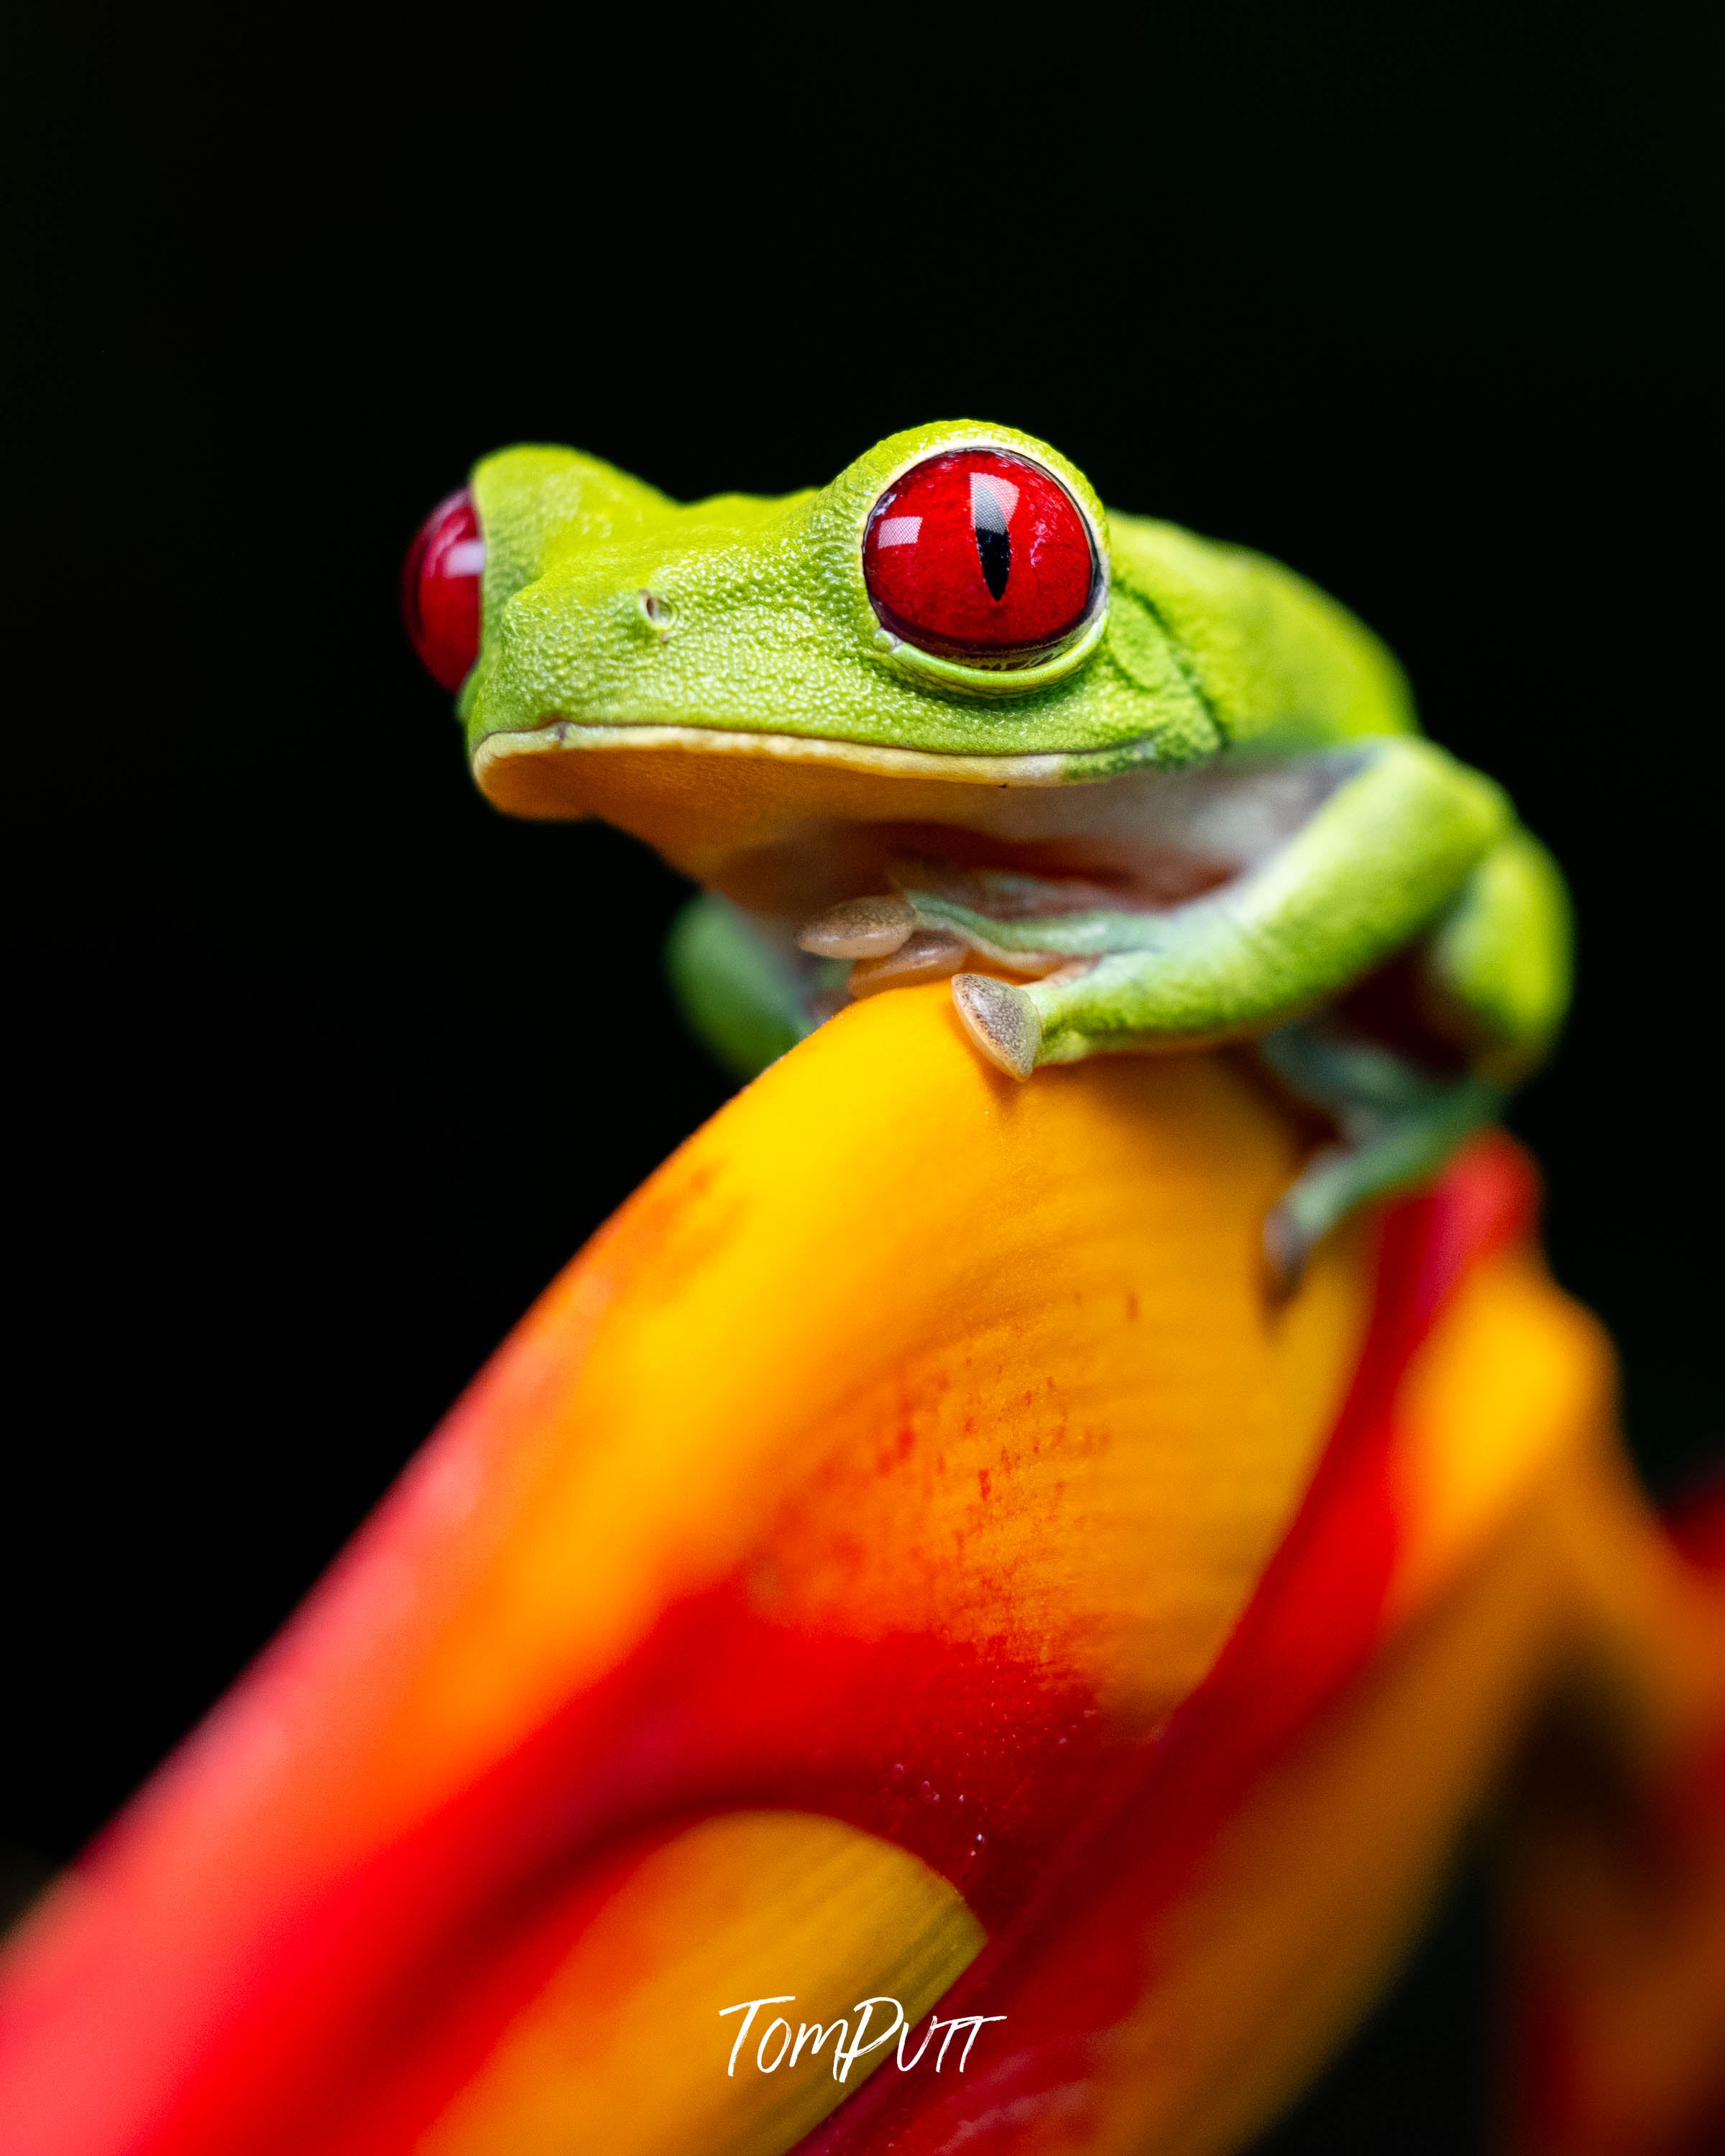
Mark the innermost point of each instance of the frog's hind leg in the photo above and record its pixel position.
(747, 998)
(1398, 1125)
(1497, 965)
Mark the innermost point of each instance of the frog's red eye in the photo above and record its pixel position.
(981, 557)
(440, 590)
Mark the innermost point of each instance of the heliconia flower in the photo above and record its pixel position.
(908, 1564)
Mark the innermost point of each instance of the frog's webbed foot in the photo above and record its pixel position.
(1398, 1125)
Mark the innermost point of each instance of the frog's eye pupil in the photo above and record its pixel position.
(992, 502)
(440, 590)
(982, 557)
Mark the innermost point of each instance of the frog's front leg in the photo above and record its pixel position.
(1409, 847)
(1385, 854)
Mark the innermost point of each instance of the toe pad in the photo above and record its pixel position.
(1002, 1020)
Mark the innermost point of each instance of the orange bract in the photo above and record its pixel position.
(905, 1453)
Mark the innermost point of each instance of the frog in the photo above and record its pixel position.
(1128, 789)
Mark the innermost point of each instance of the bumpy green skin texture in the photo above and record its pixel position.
(767, 627)
(759, 624)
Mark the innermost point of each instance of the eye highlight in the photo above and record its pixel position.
(440, 590)
(981, 557)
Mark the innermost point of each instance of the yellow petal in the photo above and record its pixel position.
(629, 2047)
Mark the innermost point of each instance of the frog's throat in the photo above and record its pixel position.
(785, 825)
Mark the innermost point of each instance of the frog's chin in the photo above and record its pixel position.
(785, 824)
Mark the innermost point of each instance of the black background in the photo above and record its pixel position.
(318, 1069)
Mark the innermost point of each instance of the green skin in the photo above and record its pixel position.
(1211, 684)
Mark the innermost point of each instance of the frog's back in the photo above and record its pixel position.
(1280, 664)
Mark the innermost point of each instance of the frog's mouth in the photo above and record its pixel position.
(691, 790)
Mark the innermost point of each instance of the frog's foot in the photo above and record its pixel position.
(1398, 1126)
(934, 928)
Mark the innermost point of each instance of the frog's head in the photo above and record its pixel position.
(938, 639)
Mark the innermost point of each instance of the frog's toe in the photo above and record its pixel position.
(1287, 1243)
(1001, 1019)
(929, 955)
(860, 928)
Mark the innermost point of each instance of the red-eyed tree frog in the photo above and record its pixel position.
(1128, 788)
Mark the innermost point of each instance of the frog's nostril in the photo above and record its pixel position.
(440, 590)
